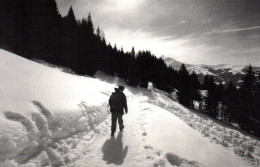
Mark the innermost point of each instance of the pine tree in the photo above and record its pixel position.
(98, 32)
(257, 95)
(246, 98)
(143, 63)
(90, 26)
(83, 27)
(231, 101)
(183, 71)
(249, 82)
(220, 92)
(256, 113)
(206, 81)
(248, 87)
(195, 86)
(184, 90)
(133, 52)
(210, 101)
(70, 18)
(222, 108)
(132, 75)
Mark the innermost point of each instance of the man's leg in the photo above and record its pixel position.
(120, 121)
(113, 123)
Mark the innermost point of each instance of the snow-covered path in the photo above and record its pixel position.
(125, 149)
(152, 137)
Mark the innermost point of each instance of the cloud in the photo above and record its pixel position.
(185, 49)
(233, 30)
(142, 40)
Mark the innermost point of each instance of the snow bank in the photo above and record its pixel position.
(240, 143)
(41, 106)
(181, 144)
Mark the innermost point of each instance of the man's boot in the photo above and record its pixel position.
(121, 129)
(112, 134)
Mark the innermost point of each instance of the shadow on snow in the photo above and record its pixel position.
(113, 151)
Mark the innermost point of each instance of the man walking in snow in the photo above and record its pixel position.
(118, 105)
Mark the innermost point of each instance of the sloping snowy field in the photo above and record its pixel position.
(52, 118)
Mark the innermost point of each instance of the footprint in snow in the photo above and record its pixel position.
(148, 147)
(144, 134)
(175, 160)
(39, 134)
(106, 93)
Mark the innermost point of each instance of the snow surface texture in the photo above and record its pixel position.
(241, 143)
(52, 118)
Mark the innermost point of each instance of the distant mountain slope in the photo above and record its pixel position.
(222, 72)
(173, 63)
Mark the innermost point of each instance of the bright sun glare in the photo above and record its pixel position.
(126, 4)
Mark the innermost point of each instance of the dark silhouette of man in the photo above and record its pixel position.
(118, 105)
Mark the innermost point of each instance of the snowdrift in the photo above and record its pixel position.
(41, 105)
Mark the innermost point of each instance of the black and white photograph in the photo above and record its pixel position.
(129, 83)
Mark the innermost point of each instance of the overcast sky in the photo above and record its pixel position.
(191, 31)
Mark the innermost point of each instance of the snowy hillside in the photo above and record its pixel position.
(173, 63)
(205, 69)
(222, 72)
(52, 118)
